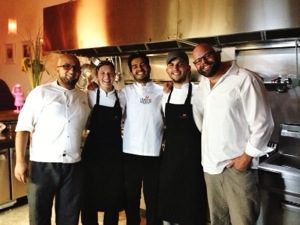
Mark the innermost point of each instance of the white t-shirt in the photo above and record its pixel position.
(106, 98)
(56, 117)
(237, 118)
(179, 96)
(143, 122)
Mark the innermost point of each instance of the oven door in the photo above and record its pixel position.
(277, 209)
(280, 198)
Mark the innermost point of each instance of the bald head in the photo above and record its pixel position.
(201, 49)
(206, 60)
(66, 58)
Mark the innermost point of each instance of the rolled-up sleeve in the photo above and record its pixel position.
(259, 116)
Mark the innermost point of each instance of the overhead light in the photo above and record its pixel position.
(12, 26)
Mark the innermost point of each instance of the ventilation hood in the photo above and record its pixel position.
(120, 27)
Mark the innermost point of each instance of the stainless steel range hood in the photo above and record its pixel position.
(119, 27)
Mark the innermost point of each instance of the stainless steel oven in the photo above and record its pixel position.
(279, 179)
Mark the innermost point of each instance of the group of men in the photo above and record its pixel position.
(214, 134)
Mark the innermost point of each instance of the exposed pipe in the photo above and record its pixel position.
(297, 63)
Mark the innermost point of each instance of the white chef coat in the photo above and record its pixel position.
(179, 96)
(143, 122)
(56, 117)
(106, 98)
(236, 118)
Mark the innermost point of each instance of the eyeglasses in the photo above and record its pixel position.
(206, 57)
(69, 66)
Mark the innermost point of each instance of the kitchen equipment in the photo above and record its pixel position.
(279, 180)
(4, 176)
(18, 189)
(279, 84)
(2, 128)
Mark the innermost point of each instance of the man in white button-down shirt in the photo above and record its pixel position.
(237, 125)
(53, 118)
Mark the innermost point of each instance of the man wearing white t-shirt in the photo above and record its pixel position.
(143, 131)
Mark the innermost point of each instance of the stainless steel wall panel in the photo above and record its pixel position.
(202, 18)
(98, 23)
(85, 24)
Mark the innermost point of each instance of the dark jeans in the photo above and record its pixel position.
(141, 170)
(61, 181)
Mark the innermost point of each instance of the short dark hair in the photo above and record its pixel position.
(105, 63)
(137, 55)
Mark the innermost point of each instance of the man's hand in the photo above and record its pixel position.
(21, 171)
(92, 86)
(241, 163)
(168, 86)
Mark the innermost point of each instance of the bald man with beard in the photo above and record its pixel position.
(52, 120)
(237, 125)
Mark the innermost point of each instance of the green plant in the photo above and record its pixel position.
(34, 64)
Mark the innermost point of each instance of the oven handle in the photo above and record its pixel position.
(290, 206)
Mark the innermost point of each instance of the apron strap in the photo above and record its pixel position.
(117, 103)
(98, 97)
(170, 95)
(189, 96)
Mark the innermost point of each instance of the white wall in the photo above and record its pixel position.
(29, 16)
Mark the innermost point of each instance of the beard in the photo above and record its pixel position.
(214, 66)
(179, 80)
(68, 80)
(141, 78)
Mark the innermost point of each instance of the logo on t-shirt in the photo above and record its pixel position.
(146, 100)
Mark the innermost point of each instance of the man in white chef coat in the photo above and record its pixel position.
(237, 125)
(143, 131)
(53, 119)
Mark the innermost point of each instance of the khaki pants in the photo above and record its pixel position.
(233, 197)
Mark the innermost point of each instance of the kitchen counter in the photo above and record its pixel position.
(10, 189)
(7, 137)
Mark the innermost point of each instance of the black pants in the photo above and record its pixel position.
(89, 216)
(141, 170)
(61, 181)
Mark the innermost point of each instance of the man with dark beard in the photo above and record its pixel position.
(237, 125)
(182, 194)
(53, 118)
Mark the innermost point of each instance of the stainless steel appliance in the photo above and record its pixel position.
(4, 176)
(279, 179)
(10, 189)
(18, 189)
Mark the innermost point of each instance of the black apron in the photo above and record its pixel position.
(182, 196)
(102, 158)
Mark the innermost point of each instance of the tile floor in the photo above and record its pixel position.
(18, 215)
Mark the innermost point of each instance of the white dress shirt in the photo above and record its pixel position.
(143, 122)
(179, 96)
(56, 117)
(106, 98)
(236, 118)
